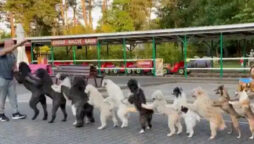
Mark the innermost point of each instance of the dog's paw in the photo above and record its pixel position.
(211, 137)
(252, 137)
(74, 123)
(115, 125)
(45, 117)
(170, 134)
(101, 127)
(141, 131)
(238, 137)
(190, 135)
(64, 120)
(51, 121)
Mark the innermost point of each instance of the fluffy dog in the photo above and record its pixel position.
(76, 93)
(40, 85)
(223, 103)
(190, 119)
(203, 105)
(137, 98)
(244, 102)
(180, 98)
(116, 98)
(160, 104)
(96, 99)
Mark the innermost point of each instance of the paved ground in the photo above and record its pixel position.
(38, 131)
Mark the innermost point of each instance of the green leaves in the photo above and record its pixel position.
(126, 15)
(40, 12)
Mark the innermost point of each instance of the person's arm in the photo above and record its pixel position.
(10, 49)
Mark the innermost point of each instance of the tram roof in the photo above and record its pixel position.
(236, 31)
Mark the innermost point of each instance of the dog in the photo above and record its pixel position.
(137, 98)
(97, 100)
(179, 98)
(203, 105)
(160, 104)
(115, 99)
(40, 85)
(223, 103)
(244, 102)
(79, 100)
(190, 119)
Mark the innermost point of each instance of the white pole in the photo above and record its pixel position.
(21, 51)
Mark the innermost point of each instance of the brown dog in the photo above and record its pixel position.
(244, 102)
(223, 103)
(203, 105)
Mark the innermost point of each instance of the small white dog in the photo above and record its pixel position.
(190, 119)
(96, 99)
(116, 98)
(160, 104)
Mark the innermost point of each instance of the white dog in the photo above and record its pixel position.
(190, 117)
(65, 82)
(116, 98)
(96, 99)
(160, 104)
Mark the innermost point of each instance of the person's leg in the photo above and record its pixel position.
(3, 93)
(12, 96)
(13, 100)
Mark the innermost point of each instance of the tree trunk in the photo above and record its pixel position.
(12, 25)
(84, 12)
(104, 5)
(62, 13)
(90, 13)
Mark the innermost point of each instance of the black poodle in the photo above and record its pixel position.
(137, 98)
(79, 100)
(40, 85)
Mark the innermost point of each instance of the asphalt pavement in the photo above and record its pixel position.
(38, 131)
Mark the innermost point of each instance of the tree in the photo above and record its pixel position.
(127, 14)
(182, 13)
(115, 20)
(73, 5)
(246, 13)
(42, 13)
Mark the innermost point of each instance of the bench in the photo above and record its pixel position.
(79, 70)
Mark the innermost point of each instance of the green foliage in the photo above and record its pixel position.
(126, 15)
(4, 35)
(41, 12)
(44, 49)
(77, 29)
(116, 20)
(182, 13)
(247, 12)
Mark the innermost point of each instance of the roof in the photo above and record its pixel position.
(205, 32)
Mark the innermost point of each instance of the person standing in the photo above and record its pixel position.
(7, 84)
